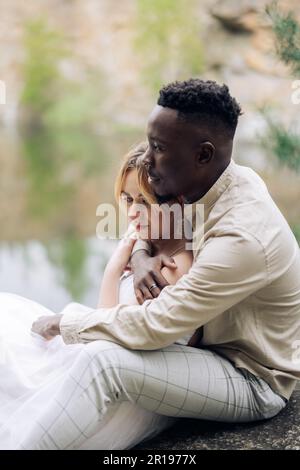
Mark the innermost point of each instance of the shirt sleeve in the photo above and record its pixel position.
(228, 269)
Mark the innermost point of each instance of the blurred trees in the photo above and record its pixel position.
(284, 142)
(168, 39)
(287, 36)
(43, 50)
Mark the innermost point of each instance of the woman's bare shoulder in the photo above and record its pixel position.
(184, 261)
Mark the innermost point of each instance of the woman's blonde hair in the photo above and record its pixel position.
(131, 161)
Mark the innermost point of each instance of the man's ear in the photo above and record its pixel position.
(206, 152)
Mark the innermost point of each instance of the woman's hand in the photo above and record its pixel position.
(147, 277)
(121, 255)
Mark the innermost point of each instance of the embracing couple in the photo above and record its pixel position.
(208, 333)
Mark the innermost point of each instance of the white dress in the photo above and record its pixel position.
(31, 368)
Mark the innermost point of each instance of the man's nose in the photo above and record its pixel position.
(147, 159)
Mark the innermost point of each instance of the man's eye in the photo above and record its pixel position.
(156, 147)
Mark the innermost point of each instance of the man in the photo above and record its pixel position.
(243, 287)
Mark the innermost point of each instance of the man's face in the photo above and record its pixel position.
(172, 154)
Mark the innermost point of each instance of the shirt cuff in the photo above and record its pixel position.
(70, 323)
(141, 245)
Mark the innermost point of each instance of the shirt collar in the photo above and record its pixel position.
(210, 197)
(224, 180)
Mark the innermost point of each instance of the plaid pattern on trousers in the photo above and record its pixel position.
(170, 383)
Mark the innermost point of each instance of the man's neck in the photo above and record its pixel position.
(196, 195)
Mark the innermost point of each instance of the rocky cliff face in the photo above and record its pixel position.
(236, 36)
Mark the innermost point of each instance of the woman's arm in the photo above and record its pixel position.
(109, 291)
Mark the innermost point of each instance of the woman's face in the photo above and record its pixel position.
(150, 221)
(138, 210)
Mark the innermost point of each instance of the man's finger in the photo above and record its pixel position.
(160, 280)
(152, 285)
(153, 288)
(147, 294)
(139, 296)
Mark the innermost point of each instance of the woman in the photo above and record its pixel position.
(135, 196)
(32, 369)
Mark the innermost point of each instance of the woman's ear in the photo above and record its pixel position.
(206, 152)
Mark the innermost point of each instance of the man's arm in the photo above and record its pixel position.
(228, 269)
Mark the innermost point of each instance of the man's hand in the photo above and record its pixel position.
(47, 326)
(148, 280)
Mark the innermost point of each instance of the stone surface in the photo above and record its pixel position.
(239, 15)
(281, 432)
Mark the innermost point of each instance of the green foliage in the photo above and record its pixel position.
(49, 99)
(168, 40)
(77, 105)
(46, 190)
(56, 162)
(43, 50)
(73, 109)
(283, 143)
(287, 36)
(70, 255)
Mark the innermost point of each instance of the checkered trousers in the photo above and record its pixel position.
(157, 387)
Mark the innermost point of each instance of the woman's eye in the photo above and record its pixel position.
(127, 199)
(142, 201)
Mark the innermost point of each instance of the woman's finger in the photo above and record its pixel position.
(168, 262)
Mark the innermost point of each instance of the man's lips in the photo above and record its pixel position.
(152, 175)
(153, 179)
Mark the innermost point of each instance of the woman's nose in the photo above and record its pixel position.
(133, 212)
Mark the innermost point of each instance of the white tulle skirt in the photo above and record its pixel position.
(32, 368)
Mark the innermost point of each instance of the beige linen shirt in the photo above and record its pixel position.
(243, 288)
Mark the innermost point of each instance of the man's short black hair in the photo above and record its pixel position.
(199, 100)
